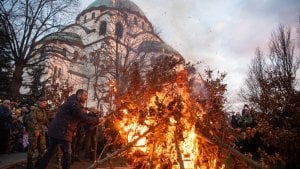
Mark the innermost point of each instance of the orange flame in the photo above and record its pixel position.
(171, 145)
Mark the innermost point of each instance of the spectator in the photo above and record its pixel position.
(16, 137)
(245, 110)
(247, 119)
(235, 120)
(37, 126)
(90, 137)
(22, 118)
(239, 119)
(5, 125)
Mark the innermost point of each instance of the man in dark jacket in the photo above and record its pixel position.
(64, 126)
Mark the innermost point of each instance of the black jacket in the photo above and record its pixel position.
(65, 122)
(5, 118)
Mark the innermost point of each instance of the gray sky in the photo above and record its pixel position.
(222, 34)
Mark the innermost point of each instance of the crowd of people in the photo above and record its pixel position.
(31, 128)
(13, 133)
(242, 121)
(249, 140)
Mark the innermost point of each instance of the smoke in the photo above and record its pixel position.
(198, 88)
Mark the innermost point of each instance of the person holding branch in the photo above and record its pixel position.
(63, 127)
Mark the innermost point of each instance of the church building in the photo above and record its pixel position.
(108, 38)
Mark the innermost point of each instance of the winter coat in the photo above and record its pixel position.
(5, 118)
(37, 120)
(66, 120)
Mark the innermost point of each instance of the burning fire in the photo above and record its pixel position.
(173, 141)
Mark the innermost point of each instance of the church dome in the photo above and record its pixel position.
(122, 4)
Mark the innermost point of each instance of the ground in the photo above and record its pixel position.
(18, 161)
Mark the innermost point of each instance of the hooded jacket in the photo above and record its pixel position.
(66, 120)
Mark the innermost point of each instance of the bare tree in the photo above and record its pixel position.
(257, 85)
(270, 87)
(271, 80)
(26, 22)
(5, 64)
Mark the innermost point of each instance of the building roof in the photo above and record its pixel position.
(64, 36)
(122, 4)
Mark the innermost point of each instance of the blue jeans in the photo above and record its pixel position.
(66, 151)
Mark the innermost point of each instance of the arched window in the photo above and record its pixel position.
(84, 19)
(103, 27)
(119, 30)
(55, 72)
(64, 52)
(43, 51)
(59, 72)
(75, 56)
(93, 15)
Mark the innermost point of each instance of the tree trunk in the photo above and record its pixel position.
(16, 81)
